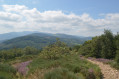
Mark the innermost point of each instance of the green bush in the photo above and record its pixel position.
(7, 68)
(60, 73)
(5, 75)
(117, 56)
(7, 72)
(55, 51)
(114, 64)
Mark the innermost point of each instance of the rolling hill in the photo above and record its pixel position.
(11, 35)
(39, 40)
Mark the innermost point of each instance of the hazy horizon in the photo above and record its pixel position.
(32, 32)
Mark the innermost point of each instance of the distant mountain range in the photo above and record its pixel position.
(36, 39)
(11, 35)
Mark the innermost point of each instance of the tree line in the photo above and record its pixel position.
(17, 52)
(103, 46)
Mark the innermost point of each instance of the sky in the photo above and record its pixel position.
(74, 17)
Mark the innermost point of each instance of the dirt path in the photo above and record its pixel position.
(107, 71)
(22, 67)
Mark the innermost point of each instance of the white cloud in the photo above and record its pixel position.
(5, 16)
(16, 8)
(21, 18)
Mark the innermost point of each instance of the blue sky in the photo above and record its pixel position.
(93, 7)
(91, 16)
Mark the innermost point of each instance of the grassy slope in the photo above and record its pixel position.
(7, 72)
(71, 66)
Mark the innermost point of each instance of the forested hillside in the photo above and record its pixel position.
(39, 40)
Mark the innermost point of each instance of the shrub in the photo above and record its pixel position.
(55, 51)
(60, 73)
(114, 64)
(7, 72)
(7, 68)
(117, 56)
(90, 74)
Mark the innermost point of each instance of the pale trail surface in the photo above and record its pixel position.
(107, 71)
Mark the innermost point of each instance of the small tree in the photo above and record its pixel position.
(76, 48)
(107, 44)
(30, 50)
(117, 48)
(54, 51)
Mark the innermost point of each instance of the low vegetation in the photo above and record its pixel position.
(56, 61)
(12, 56)
(7, 72)
(75, 65)
(16, 53)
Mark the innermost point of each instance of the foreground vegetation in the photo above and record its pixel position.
(7, 72)
(18, 53)
(12, 56)
(56, 61)
(68, 67)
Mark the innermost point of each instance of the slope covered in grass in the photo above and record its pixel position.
(7, 72)
(57, 61)
(71, 65)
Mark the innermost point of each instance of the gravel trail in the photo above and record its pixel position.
(107, 71)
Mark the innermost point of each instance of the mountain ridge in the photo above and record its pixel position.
(40, 40)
